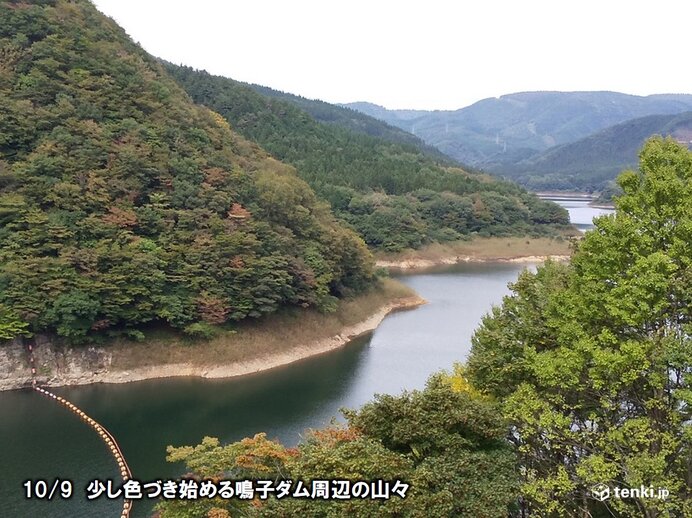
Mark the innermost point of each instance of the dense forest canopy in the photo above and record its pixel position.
(348, 118)
(393, 194)
(123, 203)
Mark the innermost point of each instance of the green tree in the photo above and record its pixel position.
(455, 439)
(592, 361)
(73, 314)
(11, 324)
(446, 441)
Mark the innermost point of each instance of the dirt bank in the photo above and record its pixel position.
(411, 264)
(494, 249)
(58, 366)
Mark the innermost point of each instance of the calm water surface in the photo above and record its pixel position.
(580, 213)
(38, 439)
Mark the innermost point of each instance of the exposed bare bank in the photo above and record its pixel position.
(415, 263)
(59, 366)
(482, 249)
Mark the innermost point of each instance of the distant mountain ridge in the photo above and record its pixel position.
(504, 130)
(592, 162)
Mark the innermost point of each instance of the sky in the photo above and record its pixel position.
(427, 54)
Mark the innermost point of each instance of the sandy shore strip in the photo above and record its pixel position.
(481, 250)
(413, 263)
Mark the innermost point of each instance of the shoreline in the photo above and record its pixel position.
(226, 370)
(481, 250)
(260, 346)
(569, 195)
(416, 263)
(265, 363)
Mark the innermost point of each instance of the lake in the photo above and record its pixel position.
(581, 213)
(39, 439)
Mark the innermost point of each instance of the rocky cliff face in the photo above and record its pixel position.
(55, 364)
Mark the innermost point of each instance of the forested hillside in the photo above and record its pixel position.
(124, 203)
(592, 163)
(445, 443)
(349, 118)
(394, 195)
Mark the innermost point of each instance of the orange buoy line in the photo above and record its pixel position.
(105, 435)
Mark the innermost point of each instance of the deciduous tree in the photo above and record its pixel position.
(592, 361)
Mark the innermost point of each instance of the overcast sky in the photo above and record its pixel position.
(427, 54)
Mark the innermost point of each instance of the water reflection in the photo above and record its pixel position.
(41, 440)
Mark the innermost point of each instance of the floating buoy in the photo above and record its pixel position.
(107, 438)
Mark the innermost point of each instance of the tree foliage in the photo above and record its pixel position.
(448, 444)
(124, 203)
(593, 360)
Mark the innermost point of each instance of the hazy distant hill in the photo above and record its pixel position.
(514, 127)
(382, 113)
(592, 162)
